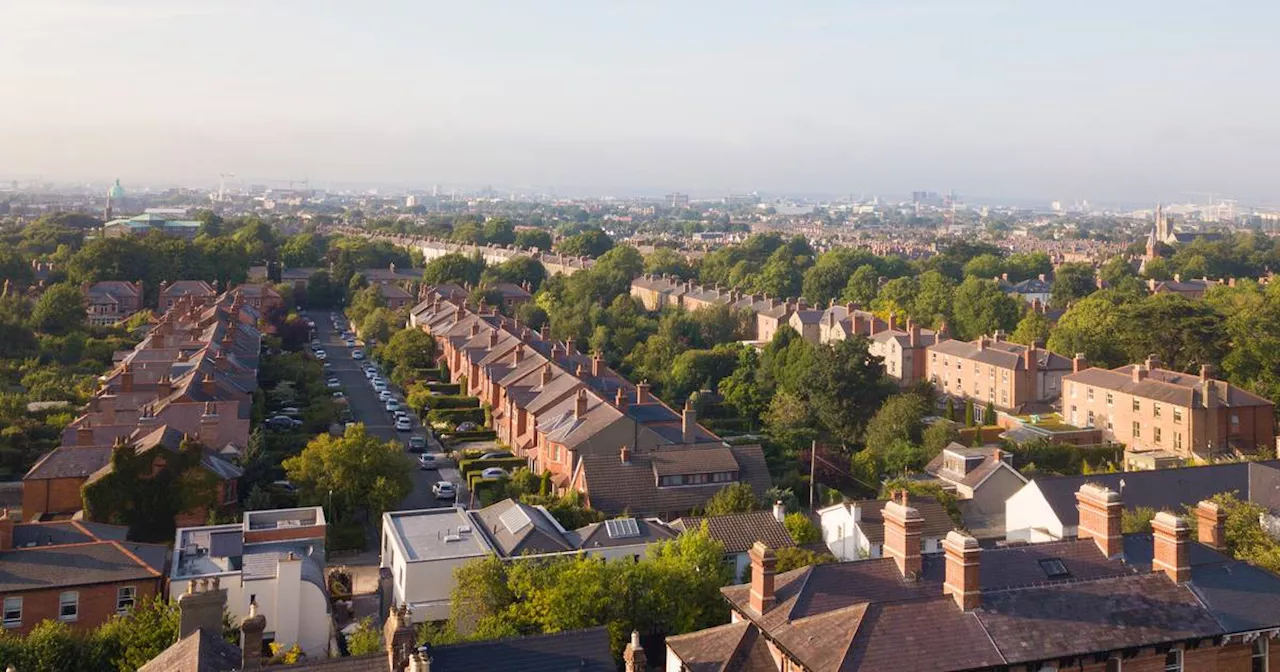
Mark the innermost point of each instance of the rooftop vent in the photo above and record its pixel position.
(452, 537)
(464, 529)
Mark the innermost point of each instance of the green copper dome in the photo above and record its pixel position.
(116, 192)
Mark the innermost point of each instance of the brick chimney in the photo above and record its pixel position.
(475, 327)
(913, 334)
(902, 524)
(517, 355)
(1139, 372)
(1211, 525)
(1153, 361)
(873, 326)
(1207, 373)
(1030, 358)
(84, 433)
(962, 580)
(580, 405)
(688, 422)
(493, 337)
(633, 659)
(597, 365)
(569, 349)
(546, 374)
(893, 321)
(642, 392)
(942, 334)
(624, 454)
(6, 529)
(763, 564)
(207, 384)
(1079, 363)
(201, 607)
(251, 630)
(1100, 509)
(126, 379)
(620, 399)
(1172, 547)
(982, 343)
(398, 636)
(164, 386)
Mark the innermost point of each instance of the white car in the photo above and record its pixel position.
(444, 490)
(321, 355)
(392, 405)
(379, 384)
(403, 424)
(385, 395)
(494, 472)
(357, 354)
(333, 383)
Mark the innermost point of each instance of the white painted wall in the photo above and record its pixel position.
(841, 534)
(1026, 511)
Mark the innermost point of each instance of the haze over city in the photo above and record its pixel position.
(1136, 100)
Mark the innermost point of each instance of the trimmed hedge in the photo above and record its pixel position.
(508, 463)
(445, 388)
(456, 416)
(448, 401)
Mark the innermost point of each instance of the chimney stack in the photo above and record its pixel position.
(1153, 361)
(493, 337)
(763, 564)
(251, 630)
(642, 392)
(913, 334)
(126, 379)
(84, 434)
(620, 399)
(633, 659)
(1030, 358)
(1079, 363)
(962, 582)
(1172, 547)
(1139, 373)
(624, 454)
(580, 405)
(1206, 373)
(779, 511)
(6, 530)
(597, 365)
(688, 422)
(546, 374)
(517, 355)
(902, 525)
(399, 636)
(201, 607)
(1211, 525)
(569, 349)
(207, 384)
(1100, 509)
(475, 327)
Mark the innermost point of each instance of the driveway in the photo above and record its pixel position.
(367, 408)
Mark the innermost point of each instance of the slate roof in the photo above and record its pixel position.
(615, 487)
(734, 646)
(579, 650)
(701, 461)
(596, 535)
(70, 462)
(739, 531)
(66, 532)
(1174, 387)
(535, 534)
(1166, 489)
(200, 651)
(936, 521)
(44, 567)
(863, 616)
(977, 474)
(1002, 354)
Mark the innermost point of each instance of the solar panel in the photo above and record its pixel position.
(622, 528)
(514, 519)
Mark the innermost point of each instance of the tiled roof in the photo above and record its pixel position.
(700, 461)
(70, 462)
(936, 521)
(200, 651)
(518, 528)
(596, 535)
(1002, 354)
(578, 650)
(1174, 387)
(44, 567)
(739, 531)
(615, 487)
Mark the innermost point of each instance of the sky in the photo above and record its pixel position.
(1118, 100)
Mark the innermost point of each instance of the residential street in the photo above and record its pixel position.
(366, 408)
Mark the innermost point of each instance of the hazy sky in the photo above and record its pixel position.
(1129, 99)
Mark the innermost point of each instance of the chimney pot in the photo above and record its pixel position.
(779, 511)
(688, 422)
(633, 657)
(624, 454)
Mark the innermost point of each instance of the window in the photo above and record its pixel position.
(12, 612)
(1259, 659)
(1137, 405)
(1173, 661)
(1110, 399)
(1157, 434)
(1155, 409)
(1073, 390)
(1110, 427)
(1177, 416)
(1004, 397)
(1177, 440)
(1235, 419)
(1089, 393)
(1137, 430)
(1090, 423)
(69, 606)
(125, 596)
(1114, 665)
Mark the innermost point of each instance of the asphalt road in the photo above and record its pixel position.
(367, 408)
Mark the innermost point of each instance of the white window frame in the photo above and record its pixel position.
(123, 594)
(1264, 654)
(73, 601)
(13, 622)
(1177, 665)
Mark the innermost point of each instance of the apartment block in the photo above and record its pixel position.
(1149, 408)
(1014, 378)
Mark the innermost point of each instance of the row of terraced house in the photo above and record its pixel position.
(593, 430)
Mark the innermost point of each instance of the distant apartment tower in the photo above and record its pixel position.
(677, 200)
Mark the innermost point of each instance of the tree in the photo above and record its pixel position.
(980, 307)
(303, 250)
(409, 349)
(931, 305)
(453, 268)
(937, 436)
(985, 267)
(533, 238)
(366, 639)
(499, 231)
(59, 310)
(140, 634)
(802, 529)
(733, 498)
(900, 418)
(1032, 329)
(794, 558)
(1090, 327)
(666, 261)
(379, 325)
(863, 285)
(846, 385)
(1027, 265)
(591, 242)
(1182, 333)
(1071, 282)
(968, 413)
(359, 470)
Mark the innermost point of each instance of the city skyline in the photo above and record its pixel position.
(1144, 101)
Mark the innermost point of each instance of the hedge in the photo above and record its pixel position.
(508, 463)
(445, 388)
(486, 491)
(447, 401)
(477, 435)
(456, 416)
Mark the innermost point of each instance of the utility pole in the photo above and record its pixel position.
(813, 475)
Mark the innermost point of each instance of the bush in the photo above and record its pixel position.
(456, 416)
(802, 530)
(477, 435)
(345, 537)
(444, 402)
(445, 388)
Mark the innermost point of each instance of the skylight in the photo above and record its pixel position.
(622, 528)
(1053, 568)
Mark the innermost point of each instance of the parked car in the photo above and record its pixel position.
(370, 372)
(339, 396)
(283, 422)
(427, 461)
(501, 454)
(379, 384)
(467, 426)
(333, 383)
(392, 405)
(403, 424)
(417, 444)
(357, 354)
(385, 395)
(444, 490)
(494, 472)
(290, 411)
(321, 355)
(346, 416)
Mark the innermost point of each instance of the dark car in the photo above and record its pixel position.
(417, 444)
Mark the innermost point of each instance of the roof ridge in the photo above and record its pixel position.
(132, 556)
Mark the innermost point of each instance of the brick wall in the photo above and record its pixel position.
(54, 495)
(97, 603)
(285, 534)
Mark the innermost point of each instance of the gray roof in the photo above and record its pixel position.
(1003, 354)
(67, 532)
(45, 567)
(1173, 387)
(615, 487)
(517, 528)
(70, 462)
(578, 650)
(936, 521)
(200, 651)
(740, 531)
(596, 535)
(1165, 489)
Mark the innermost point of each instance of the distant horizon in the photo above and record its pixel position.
(1142, 101)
